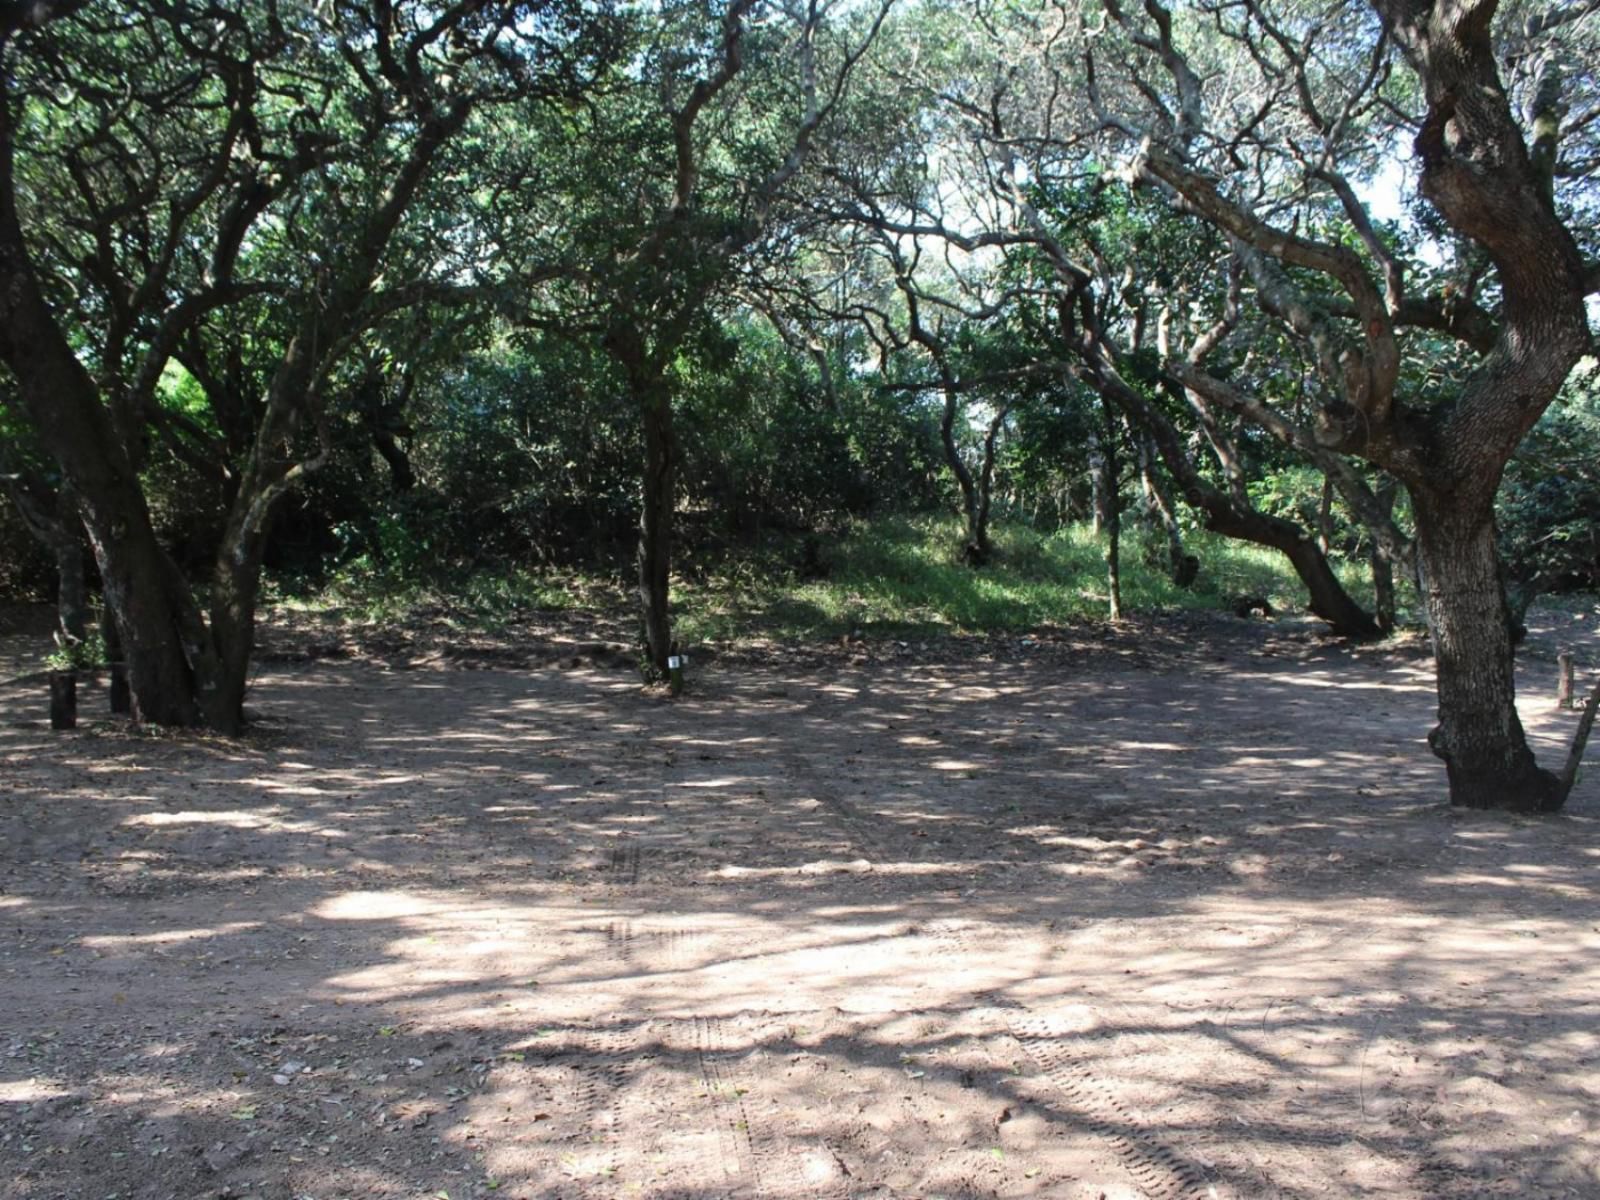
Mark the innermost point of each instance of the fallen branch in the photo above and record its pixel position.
(1580, 739)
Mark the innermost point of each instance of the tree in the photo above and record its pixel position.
(684, 173)
(200, 145)
(1338, 283)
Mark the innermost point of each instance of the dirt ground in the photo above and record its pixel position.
(1171, 911)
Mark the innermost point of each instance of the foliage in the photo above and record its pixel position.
(76, 654)
(1549, 506)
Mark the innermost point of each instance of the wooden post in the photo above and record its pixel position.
(675, 671)
(121, 698)
(1564, 683)
(63, 700)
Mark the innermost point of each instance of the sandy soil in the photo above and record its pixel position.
(1171, 912)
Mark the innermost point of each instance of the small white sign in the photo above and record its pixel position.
(674, 663)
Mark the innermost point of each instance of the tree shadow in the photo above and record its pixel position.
(990, 929)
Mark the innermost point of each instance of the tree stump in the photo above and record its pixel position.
(63, 700)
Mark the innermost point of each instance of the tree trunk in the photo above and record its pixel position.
(979, 549)
(1383, 596)
(121, 696)
(1328, 599)
(974, 508)
(655, 523)
(72, 590)
(63, 700)
(157, 618)
(1325, 517)
(1097, 484)
(235, 584)
(1382, 564)
(159, 626)
(1181, 568)
(1479, 735)
(1111, 503)
(50, 514)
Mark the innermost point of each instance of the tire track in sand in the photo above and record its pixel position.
(1060, 1055)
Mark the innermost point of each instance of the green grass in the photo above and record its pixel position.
(899, 577)
(903, 577)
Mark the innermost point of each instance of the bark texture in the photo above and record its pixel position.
(1479, 735)
(1182, 567)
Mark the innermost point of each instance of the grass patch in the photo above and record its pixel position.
(899, 577)
(903, 577)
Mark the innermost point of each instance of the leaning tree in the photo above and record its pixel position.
(1012, 181)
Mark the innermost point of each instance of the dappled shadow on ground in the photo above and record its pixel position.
(991, 929)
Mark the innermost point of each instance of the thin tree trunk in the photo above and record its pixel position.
(655, 523)
(1097, 484)
(1479, 735)
(1181, 568)
(72, 589)
(978, 531)
(50, 514)
(1325, 517)
(1111, 502)
(974, 512)
(1382, 564)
